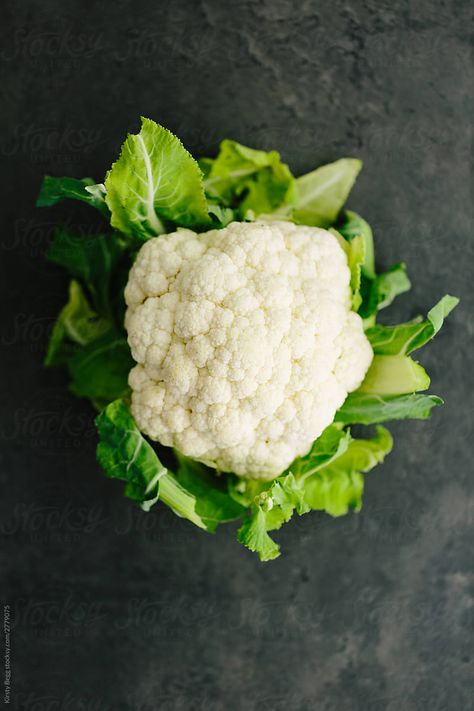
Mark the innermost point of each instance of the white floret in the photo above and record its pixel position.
(244, 341)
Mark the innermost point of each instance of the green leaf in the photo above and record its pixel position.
(321, 194)
(280, 501)
(278, 498)
(253, 534)
(364, 454)
(331, 482)
(381, 291)
(245, 491)
(154, 181)
(355, 253)
(98, 193)
(355, 261)
(77, 325)
(86, 190)
(221, 216)
(267, 192)
(335, 491)
(353, 225)
(288, 491)
(368, 409)
(205, 165)
(93, 259)
(99, 370)
(272, 504)
(394, 375)
(91, 341)
(331, 443)
(254, 182)
(408, 337)
(214, 505)
(123, 453)
(339, 485)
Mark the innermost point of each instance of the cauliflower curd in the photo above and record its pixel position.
(245, 342)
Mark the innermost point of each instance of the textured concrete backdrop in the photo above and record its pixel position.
(115, 610)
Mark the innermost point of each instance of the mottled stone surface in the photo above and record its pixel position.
(116, 610)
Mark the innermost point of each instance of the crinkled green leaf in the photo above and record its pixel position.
(321, 194)
(364, 454)
(155, 181)
(99, 370)
(353, 225)
(408, 337)
(335, 485)
(77, 325)
(91, 342)
(220, 215)
(205, 165)
(98, 193)
(86, 190)
(278, 498)
(272, 504)
(394, 375)
(245, 491)
(253, 534)
(251, 493)
(123, 453)
(213, 503)
(331, 443)
(289, 491)
(93, 259)
(267, 192)
(335, 491)
(368, 409)
(279, 514)
(253, 182)
(356, 256)
(339, 485)
(355, 253)
(380, 292)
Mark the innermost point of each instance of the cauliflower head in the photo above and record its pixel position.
(245, 342)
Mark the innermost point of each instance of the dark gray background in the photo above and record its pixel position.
(114, 609)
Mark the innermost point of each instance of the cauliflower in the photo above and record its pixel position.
(245, 342)
(246, 339)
